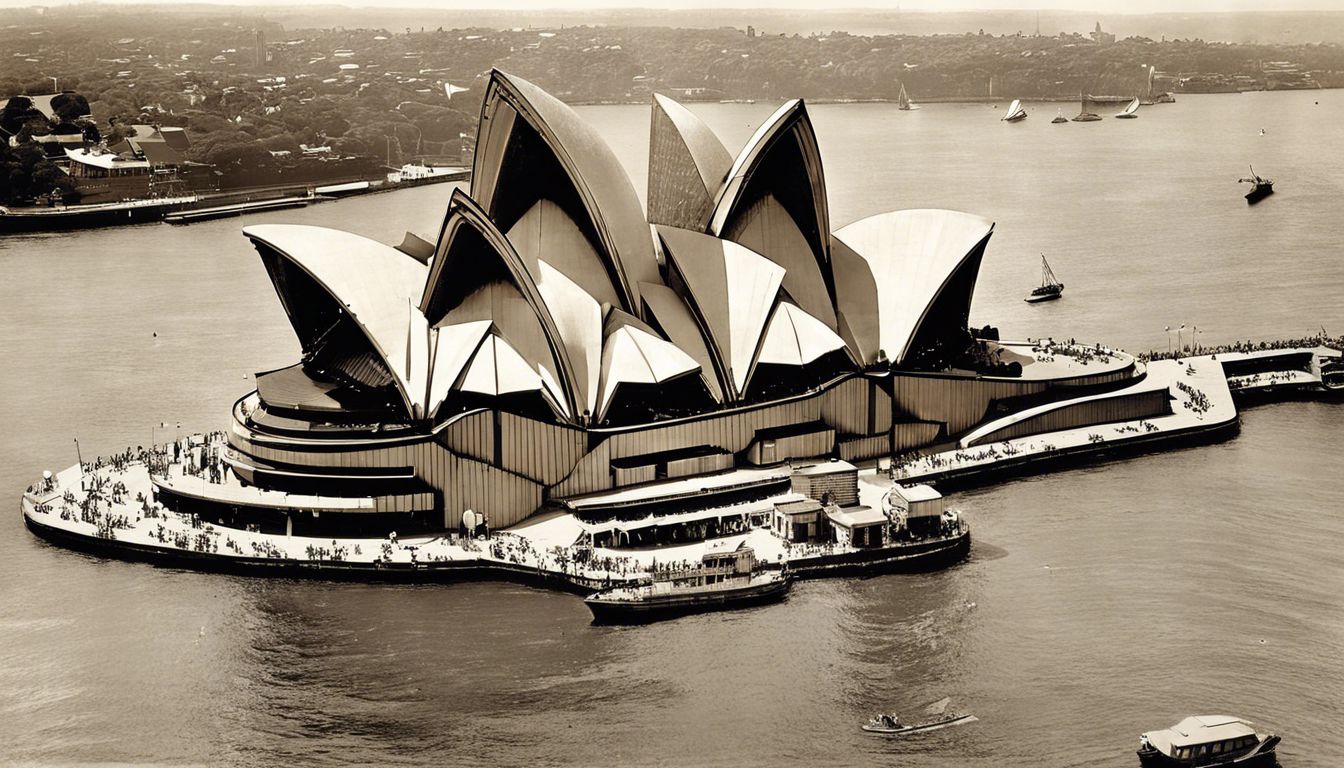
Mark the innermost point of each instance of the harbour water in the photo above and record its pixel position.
(1097, 603)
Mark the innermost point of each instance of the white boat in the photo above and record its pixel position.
(1208, 741)
(1015, 112)
(903, 101)
(1131, 109)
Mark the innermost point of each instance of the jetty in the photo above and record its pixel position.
(238, 209)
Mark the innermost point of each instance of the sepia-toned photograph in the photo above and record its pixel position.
(950, 383)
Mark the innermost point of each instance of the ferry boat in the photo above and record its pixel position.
(1050, 287)
(903, 101)
(1207, 741)
(1130, 111)
(1015, 112)
(725, 579)
(1262, 187)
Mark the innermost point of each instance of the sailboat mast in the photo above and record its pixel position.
(1047, 275)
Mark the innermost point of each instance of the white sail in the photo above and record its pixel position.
(1014, 110)
(1131, 107)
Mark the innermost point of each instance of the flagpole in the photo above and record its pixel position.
(80, 457)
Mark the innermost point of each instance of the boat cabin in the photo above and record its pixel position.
(1203, 739)
(719, 566)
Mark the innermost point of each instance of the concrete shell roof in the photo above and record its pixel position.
(592, 168)
(712, 160)
(498, 369)
(444, 280)
(796, 338)
(634, 356)
(674, 317)
(578, 318)
(687, 166)
(376, 284)
(792, 114)
(911, 254)
(454, 346)
(734, 290)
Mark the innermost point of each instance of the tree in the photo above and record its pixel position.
(69, 107)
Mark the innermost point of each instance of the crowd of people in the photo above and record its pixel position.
(1305, 342)
(1196, 400)
(1045, 351)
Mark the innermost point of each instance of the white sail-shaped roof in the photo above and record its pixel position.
(634, 356)
(497, 369)
(454, 346)
(733, 290)
(774, 202)
(687, 166)
(913, 256)
(578, 318)
(675, 319)
(372, 282)
(796, 338)
(523, 132)
(753, 285)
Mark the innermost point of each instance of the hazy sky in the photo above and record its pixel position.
(1096, 6)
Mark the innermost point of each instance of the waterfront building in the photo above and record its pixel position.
(557, 339)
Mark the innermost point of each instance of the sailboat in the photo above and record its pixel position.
(1060, 118)
(903, 101)
(1084, 113)
(1050, 288)
(1015, 112)
(1131, 110)
(1148, 93)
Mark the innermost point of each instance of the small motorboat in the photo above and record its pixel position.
(1207, 741)
(1060, 118)
(891, 725)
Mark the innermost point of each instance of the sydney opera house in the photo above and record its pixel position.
(560, 339)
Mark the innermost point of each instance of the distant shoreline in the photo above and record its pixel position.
(935, 99)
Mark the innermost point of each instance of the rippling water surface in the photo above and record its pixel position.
(1097, 603)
